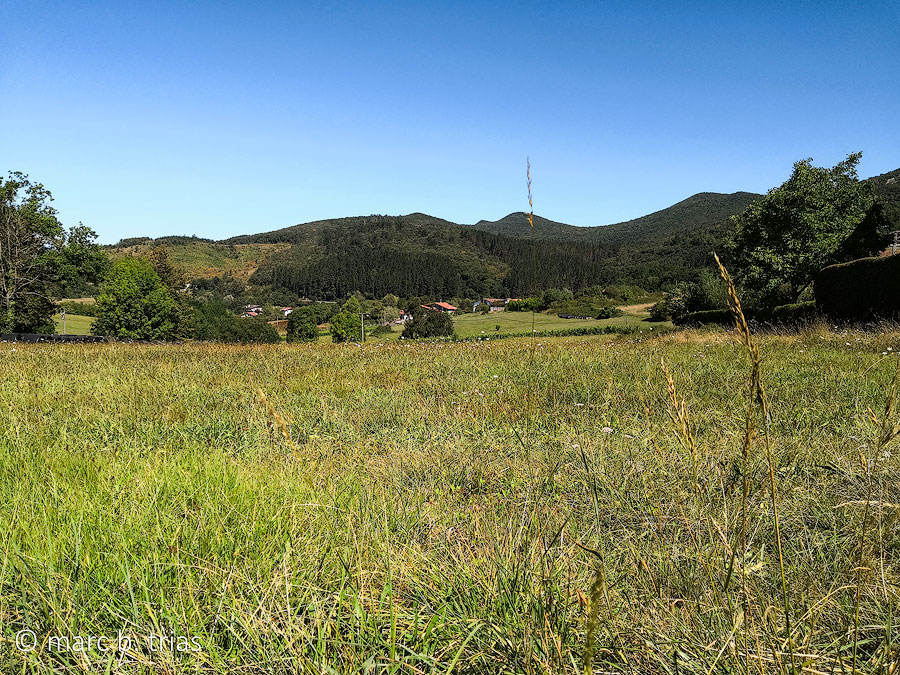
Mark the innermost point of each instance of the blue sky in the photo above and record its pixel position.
(221, 118)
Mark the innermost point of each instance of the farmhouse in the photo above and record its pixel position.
(440, 307)
(494, 304)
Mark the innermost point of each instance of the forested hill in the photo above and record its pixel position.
(417, 255)
(703, 210)
(420, 255)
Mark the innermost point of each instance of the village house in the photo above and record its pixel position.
(440, 307)
(494, 304)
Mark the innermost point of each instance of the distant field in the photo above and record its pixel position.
(469, 325)
(505, 507)
(203, 260)
(75, 324)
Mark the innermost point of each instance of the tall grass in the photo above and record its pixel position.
(374, 508)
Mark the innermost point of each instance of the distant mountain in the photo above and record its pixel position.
(421, 255)
(703, 210)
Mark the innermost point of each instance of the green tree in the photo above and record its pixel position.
(303, 325)
(135, 304)
(38, 255)
(427, 323)
(346, 325)
(818, 217)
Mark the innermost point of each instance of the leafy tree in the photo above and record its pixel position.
(38, 255)
(303, 325)
(427, 323)
(134, 303)
(346, 325)
(818, 217)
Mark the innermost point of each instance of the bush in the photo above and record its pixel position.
(609, 312)
(380, 331)
(213, 321)
(525, 305)
(798, 312)
(427, 323)
(79, 308)
(660, 311)
(720, 317)
(860, 290)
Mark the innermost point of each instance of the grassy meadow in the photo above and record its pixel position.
(75, 324)
(520, 506)
(471, 325)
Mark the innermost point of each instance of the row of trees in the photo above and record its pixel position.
(348, 323)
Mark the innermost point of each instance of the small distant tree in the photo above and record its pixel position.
(818, 217)
(135, 304)
(302, 325)
(427, 323)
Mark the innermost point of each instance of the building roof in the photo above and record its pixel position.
(442, 305)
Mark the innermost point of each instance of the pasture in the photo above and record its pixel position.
(75, 324)
(472, 325)
(521, 506)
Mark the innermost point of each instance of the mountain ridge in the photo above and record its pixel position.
(422, 255)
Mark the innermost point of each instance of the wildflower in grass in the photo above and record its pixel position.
(607, 430)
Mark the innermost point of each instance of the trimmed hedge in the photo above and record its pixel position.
(860, 290)
(798, 312)
(719, 317)
(79, 308)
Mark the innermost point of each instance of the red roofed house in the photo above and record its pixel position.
(440, 307)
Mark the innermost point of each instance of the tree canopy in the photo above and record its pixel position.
(38, 255)
(428, 323)
(818, 217)
(135, 304)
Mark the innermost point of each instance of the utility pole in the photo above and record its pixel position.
(362, 327)
(63, 313)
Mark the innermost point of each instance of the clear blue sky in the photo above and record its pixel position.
(221, 118)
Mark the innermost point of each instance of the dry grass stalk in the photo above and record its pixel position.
(757, 395)
(280, 422)
(530, 203)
